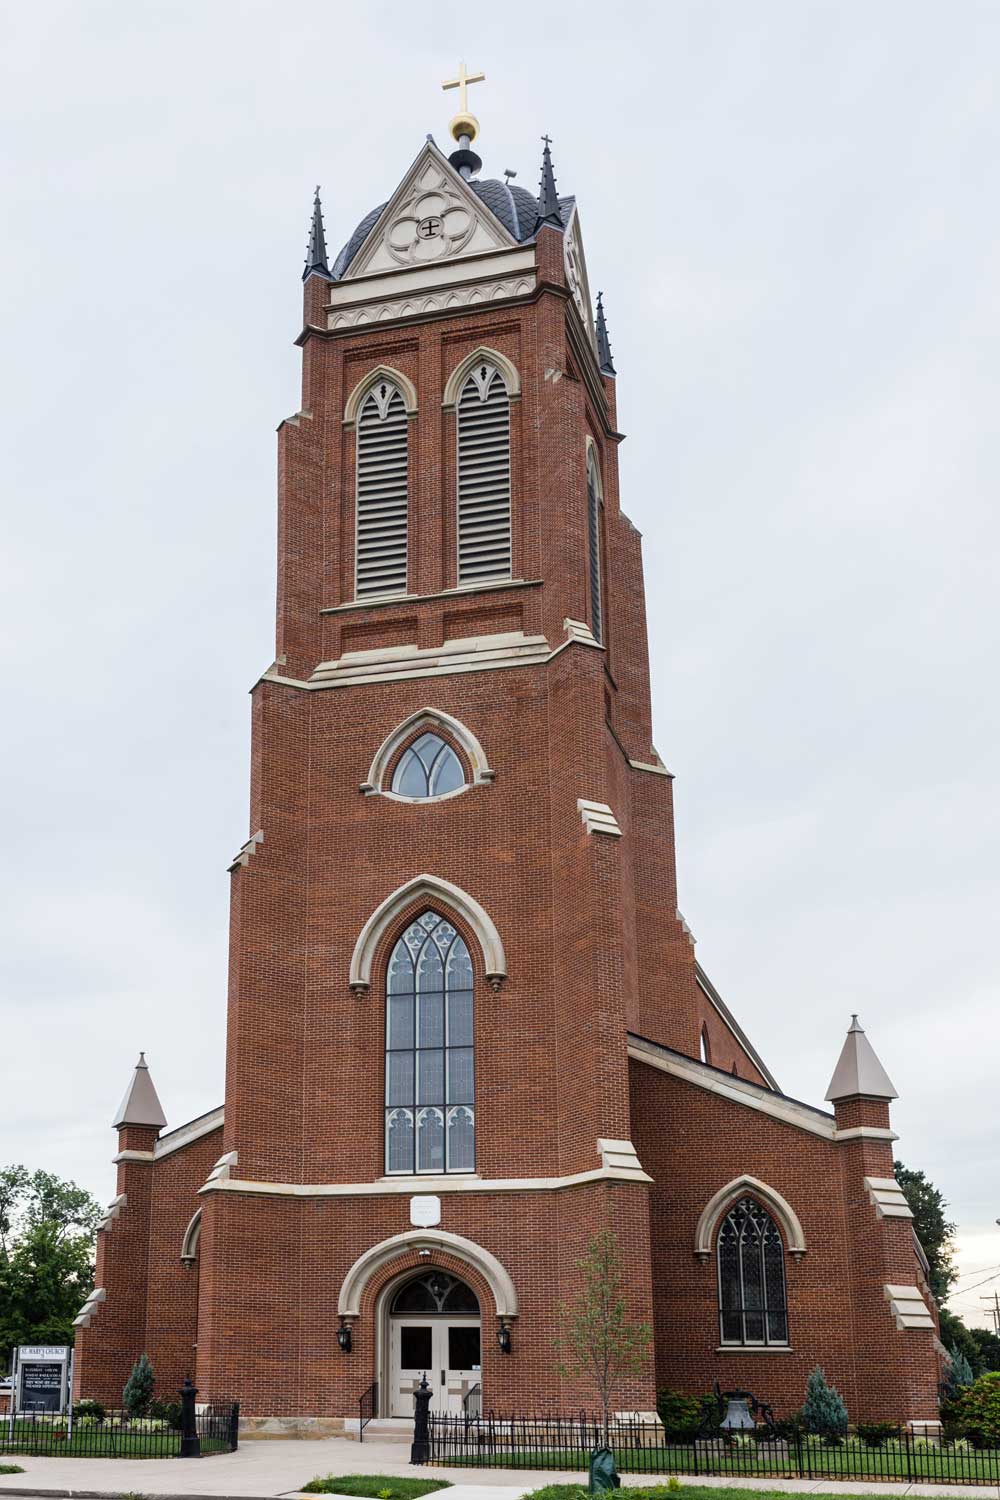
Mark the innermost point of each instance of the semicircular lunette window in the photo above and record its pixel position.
(428, 768)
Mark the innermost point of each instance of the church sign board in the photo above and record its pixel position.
(42, 1377)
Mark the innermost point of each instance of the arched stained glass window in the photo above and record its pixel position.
(752, 1307)
(430, 1120)
(428, 768)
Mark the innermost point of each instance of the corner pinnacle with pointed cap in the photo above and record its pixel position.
(604, 359)
(316, 261)
(141, 1104)
(548, 198)
(858, 1071)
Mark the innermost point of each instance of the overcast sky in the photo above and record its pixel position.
(792, 209)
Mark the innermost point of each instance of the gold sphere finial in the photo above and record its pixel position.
(464, 123)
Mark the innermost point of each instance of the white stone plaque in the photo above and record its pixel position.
(425, 1211)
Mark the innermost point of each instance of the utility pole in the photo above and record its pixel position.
(994, 1311)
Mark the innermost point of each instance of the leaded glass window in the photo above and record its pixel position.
(752, 1306)
(437, 1292)
(428, 768)
(430, 1120)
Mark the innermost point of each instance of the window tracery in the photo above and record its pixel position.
(428, 768)
(430, 1123)
(751, 1267)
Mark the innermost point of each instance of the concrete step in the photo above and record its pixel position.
(390, 1430)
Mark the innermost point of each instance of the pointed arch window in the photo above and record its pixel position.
(430, 1119)
(751, 1263)
(382, 493)
(595, 507)
(428, 768)
(484, 529)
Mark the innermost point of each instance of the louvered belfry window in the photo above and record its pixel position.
(484, 547)
(382, 499)
(594, 545)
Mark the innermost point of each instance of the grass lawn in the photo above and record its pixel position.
(47, 1441)
(378, 1486)
(749, 1460)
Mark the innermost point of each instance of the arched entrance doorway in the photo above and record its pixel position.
(433, 1326)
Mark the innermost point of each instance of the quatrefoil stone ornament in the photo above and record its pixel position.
(433, 226)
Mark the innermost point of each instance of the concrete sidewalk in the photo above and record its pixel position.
(263, 1470)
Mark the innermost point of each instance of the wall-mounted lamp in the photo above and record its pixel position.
(344, 1336)
(503, 1338)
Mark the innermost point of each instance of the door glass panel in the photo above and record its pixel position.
(415, 1348)
(463, 1348)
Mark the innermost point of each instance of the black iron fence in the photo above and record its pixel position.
(116, 1435)
(641, 1447)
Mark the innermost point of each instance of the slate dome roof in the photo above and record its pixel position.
(514, 206)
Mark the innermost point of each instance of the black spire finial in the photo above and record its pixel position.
(548, 198)
(604, 359)
(316, 262)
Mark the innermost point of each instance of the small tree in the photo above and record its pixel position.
(959, 1375)
(138, 1392)
(601, 1343)
(823, 1410)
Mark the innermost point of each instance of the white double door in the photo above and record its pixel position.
(446, 1349)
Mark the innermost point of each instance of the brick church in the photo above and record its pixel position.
(467, 1029)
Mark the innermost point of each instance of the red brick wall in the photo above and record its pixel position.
(279, 1264)
(693, 1142)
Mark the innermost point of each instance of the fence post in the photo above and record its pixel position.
(234, 1427)
(909, 1457)
(420, 1448)
(798, 1451)
(190, 1441)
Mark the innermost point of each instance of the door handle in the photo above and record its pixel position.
(442, 1377)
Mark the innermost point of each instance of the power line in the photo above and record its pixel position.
(978, 1272)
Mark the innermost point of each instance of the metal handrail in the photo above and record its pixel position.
(367, 1409)
(472, 1404)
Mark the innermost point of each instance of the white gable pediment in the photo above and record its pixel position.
(576, 275)
(432, 216)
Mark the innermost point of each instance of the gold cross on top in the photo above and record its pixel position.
(462, 82)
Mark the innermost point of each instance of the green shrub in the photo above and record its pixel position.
(958, 1375)
(876, 1434)
(11, 1469)
(681, 1415)
(977, 1411)
(92, 1409)
(823, 1410)
(138, 1392)
(166, 1411)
